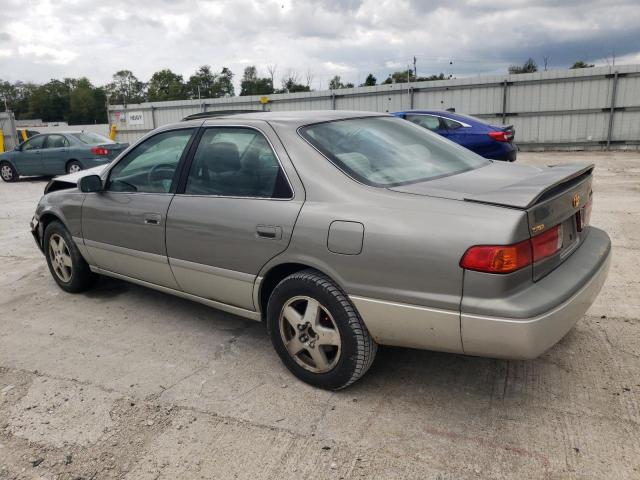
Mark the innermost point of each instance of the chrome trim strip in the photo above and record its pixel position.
(211, 303)
(153, 257)
(465, 125)
(413, 326)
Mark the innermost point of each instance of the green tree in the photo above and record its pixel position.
(251, 84)
(528, 67)
(370, 81)
(202, 84)
(581, 64)
(336, 82)
(86, 103)
(50, 101)
(223, 86)
(125, 88)
(166, 85)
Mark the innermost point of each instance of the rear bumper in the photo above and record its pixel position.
(507, 153)
(526, 338)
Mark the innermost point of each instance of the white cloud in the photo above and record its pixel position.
(71, 38)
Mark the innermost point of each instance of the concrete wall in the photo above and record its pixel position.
(557, 109)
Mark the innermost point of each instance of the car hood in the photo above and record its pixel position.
(71, 180)
(499, 183)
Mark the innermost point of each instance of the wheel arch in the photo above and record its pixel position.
(66, 164)
(274, 274)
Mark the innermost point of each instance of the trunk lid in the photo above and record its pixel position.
(114, 149)
(549, 195)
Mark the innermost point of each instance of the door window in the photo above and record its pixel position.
(34, 143)
(150, 167)
(56, 141)
(451, 124)
(426, 121)
(236, 162)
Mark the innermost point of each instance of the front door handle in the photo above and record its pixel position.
(269, 231)
(152, 218)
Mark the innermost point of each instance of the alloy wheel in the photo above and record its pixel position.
(74, 167)
(6, 172)
(60, 258)
(310, 334)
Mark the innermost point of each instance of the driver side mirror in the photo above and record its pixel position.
(90, 184)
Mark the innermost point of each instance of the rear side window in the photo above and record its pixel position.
(91, 138)
(236, 162)
(451, 124)
(56, 141)
(426, 121)
(387, 151)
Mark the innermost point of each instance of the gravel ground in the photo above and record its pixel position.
(126, 382)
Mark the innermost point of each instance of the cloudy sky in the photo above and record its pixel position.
(40, 40)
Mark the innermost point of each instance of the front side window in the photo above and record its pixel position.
(236, 162)
(34, 143)
(150, 167)
(56, 141)
(387, 151)
(426, 121)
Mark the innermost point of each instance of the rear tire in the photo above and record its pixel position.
(73, 166)
(317, 331)
(70, 271)
(8, 172)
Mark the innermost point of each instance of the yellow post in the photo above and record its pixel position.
(23, 134)
(112, 132)
(1, 141)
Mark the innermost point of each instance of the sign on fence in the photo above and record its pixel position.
(135, 118)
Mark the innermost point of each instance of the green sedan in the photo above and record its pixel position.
(58, 153)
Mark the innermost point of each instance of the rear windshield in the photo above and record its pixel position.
(388, 151)
(91, 138)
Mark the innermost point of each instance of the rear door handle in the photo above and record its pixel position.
(269, 231)
(152, 218)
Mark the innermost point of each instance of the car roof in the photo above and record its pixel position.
(444, 113)
(297, 118)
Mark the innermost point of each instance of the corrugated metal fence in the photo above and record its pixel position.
(583, 108)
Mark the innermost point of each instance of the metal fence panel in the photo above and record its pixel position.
(556, 108)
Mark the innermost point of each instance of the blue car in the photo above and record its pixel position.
(489, 141)
(58, 153)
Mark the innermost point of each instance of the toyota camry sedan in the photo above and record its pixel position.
(342, 231)
(58, 153)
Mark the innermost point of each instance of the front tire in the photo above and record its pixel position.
(70, 271)
(8, 172)
(73, 166)
(317, 332)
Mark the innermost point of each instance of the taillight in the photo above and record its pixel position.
(583, 216)
(99, 151)
(547, 243)
(509, 258)
(497, 258)
(499, 136)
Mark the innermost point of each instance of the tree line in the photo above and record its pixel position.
(78, 101)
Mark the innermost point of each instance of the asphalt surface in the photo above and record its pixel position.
(126, 382)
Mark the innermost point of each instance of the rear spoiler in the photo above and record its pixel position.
(539, 187)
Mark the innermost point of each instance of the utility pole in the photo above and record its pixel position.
(415, 69)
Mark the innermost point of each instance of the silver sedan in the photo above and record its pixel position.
(342, 231)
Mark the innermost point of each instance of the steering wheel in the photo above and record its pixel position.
(166, 171)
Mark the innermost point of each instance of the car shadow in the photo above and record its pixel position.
(411, 371)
